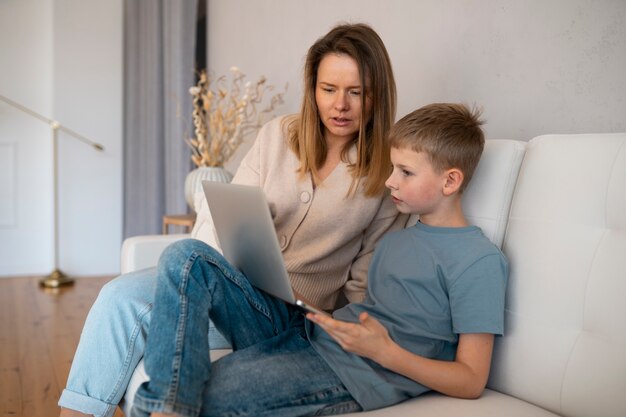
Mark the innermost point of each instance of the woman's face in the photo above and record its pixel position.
(338, 96)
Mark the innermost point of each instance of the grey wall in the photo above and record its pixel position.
(535, 66)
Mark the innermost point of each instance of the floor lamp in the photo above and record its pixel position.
(56, 278)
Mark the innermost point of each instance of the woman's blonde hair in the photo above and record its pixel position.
(361, 43)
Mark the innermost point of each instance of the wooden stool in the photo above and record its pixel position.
(186, 220)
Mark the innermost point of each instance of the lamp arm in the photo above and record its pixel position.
(53, 123)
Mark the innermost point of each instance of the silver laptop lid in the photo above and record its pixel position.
(246, 234)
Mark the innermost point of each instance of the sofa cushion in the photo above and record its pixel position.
(564, 346)
(487, 200)
(491, 403)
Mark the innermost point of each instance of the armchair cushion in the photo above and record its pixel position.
(140, 252)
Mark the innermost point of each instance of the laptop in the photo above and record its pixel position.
(246, 234)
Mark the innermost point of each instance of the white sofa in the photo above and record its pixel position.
(557, 207)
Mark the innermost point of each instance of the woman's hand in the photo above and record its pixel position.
(368, 338)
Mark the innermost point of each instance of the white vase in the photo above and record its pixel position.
(193, 182)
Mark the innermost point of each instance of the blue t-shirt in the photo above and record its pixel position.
(426, 285)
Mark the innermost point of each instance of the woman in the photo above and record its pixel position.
(323, 173)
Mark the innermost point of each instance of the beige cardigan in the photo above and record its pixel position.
(326, 237)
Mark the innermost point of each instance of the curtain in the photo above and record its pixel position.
(159, 60)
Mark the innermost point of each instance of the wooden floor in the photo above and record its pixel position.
(39, 332)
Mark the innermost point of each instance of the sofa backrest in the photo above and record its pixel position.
(487, 199)
(564, 347)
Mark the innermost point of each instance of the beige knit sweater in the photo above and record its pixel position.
(326, 237)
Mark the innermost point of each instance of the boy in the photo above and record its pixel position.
(438, 287)
(435, 300)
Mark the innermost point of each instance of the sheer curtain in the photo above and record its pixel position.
(159, 59)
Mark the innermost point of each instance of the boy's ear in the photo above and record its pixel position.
(454, 179)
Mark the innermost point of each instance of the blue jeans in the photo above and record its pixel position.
(273, 371)
(112, 344)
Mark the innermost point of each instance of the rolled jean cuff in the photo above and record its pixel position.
(86, 405)
(142, 407)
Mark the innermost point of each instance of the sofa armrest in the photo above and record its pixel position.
(139, 252)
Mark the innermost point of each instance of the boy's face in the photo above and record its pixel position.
(416, 188)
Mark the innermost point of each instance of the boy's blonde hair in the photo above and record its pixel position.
(449, 133)
(361, 43)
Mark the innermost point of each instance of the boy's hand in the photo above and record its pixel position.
(368, 338)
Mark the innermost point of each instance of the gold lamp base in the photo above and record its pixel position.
(56, 279)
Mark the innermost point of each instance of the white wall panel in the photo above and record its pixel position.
(63, 60)
(88, 99)
(26, 78)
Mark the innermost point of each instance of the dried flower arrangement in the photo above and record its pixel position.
(224, 115)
